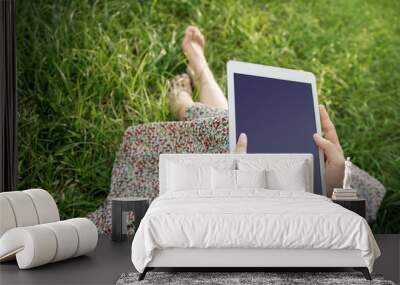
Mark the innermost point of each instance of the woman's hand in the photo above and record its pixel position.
(241, 145)
(330, 145)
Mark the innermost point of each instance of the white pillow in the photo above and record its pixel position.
(251, 178)
(183, 177)
(223, 179)
(291, 179)
(282, 174)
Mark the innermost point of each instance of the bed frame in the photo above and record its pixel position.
(242, 259)
(245, 259)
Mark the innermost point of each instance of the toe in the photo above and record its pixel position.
(202, 40)
(189, 34)
(190, 30)
(198, 37)
(181, 82)
(186, 41)
(193, 34)
(174, 83)
(171, 87)
(186, 78)
(185, 81)
(171, 84)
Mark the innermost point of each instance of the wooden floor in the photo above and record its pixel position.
(111, 259)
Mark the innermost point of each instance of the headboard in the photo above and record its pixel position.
(273, 161)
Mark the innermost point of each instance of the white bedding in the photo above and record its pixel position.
(250, 219)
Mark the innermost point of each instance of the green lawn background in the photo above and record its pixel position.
(89, 69)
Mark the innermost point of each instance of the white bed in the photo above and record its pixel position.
(207, 226)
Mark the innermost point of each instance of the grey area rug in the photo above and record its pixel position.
(225, 278)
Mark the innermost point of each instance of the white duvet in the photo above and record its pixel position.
(250, 219)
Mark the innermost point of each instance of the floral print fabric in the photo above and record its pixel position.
(204, 130)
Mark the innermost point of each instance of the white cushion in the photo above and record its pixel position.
(291, 175)
(7, 218)
(40, 244)
(293, 179)
(87, 235)
(46, 207)
(34, 244)
(223, 179)
(279, 162)
(189, 161)
(67, 240)
(181, 177)
(251, 178)
(26, 208)
(23, 208)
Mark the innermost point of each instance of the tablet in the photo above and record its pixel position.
(278, 110)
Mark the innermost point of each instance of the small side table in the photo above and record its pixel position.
(357, 206)
(120, 209)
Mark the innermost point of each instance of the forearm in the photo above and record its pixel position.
(370, 189)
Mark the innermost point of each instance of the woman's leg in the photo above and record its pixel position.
(211, 94)
(212, 100)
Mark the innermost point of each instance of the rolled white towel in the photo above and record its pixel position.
(40, 244)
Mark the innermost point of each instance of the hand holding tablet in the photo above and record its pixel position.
(330, 145)
(278, 110)
(334, 165)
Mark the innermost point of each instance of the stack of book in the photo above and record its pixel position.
(344, 194)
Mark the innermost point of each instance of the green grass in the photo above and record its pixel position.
(89, 69)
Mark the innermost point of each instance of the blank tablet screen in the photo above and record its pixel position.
(277, 116)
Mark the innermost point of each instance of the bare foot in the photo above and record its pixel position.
(193, 48)
(180, 95)
(211, 94)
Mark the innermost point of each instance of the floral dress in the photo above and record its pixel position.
(204, 130)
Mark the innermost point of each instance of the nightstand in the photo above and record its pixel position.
(120, 208)
(357, 206)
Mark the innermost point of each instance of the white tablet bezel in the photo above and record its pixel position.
(276, 73)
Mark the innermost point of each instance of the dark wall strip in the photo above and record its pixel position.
(8, 97)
